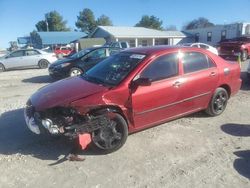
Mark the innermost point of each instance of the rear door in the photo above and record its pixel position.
(31, 57)
(199, 80)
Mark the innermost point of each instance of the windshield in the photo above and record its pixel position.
(114, 69)
(80, 53)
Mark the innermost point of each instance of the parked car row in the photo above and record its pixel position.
(132, 90)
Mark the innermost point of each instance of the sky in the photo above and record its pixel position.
(18, 17)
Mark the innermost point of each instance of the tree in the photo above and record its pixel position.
(53, 22)
(36, 41)
(104, 21)
(41, 26)
(150, 22)
(198, 23)
(86, 21)
(171, 28)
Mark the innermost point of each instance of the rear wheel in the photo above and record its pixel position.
(111, 137)
(43, 64)
(2, 68)
(75, 72)
(244, 55)
(218, 102)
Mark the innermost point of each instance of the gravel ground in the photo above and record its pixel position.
(194, 151)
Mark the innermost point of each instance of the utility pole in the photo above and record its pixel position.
(47, 24)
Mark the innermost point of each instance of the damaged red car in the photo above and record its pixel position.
(135, 89)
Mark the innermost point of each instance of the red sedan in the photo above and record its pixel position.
(133, 90)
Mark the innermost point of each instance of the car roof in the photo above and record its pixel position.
(155, 49)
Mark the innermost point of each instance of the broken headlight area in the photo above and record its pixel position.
(63, 121)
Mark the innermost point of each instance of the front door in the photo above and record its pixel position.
(159, 101)
(14, 60)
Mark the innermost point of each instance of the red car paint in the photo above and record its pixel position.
(235, 47)
(146, 106)
(63, 50)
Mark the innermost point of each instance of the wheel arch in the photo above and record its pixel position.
(227, 88)
(43, 59)
(108, 109)
(2, 64)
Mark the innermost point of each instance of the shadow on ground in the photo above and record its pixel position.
(39, 79)
(241, 164)
(15, 138)
(236, 129)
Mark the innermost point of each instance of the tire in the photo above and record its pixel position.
(244, 55)
(218, 102)
(111, 137)
(2, 68)
(75, 72)
(43, 64)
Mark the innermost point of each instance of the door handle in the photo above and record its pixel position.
(177, 84)
(213, 73)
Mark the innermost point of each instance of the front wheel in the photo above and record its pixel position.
(218, 102)
(111, 137)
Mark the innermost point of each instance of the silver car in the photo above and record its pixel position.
(202, 45)
(26, 58)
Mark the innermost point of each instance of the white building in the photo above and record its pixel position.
(212, 35)
(138, 36)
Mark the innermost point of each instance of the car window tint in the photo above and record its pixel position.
(195, 61)
(204, 46)
(113, 51)
(163, 67)
(99, 53)
(195, 45)
(31, 52)
(16, 54)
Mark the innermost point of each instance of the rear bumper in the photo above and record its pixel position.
(237, 86)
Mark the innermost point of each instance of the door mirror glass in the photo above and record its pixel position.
(142, 82)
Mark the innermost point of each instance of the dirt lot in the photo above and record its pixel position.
(195, 151)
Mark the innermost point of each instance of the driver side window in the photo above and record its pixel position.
(16, 54)
(163, 67)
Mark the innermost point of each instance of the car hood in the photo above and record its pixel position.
(64, 92)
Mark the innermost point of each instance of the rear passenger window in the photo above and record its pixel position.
(163, 67)
(195, 61)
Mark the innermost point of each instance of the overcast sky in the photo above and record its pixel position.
(18, 17)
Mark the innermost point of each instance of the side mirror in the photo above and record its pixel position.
(142, 82)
